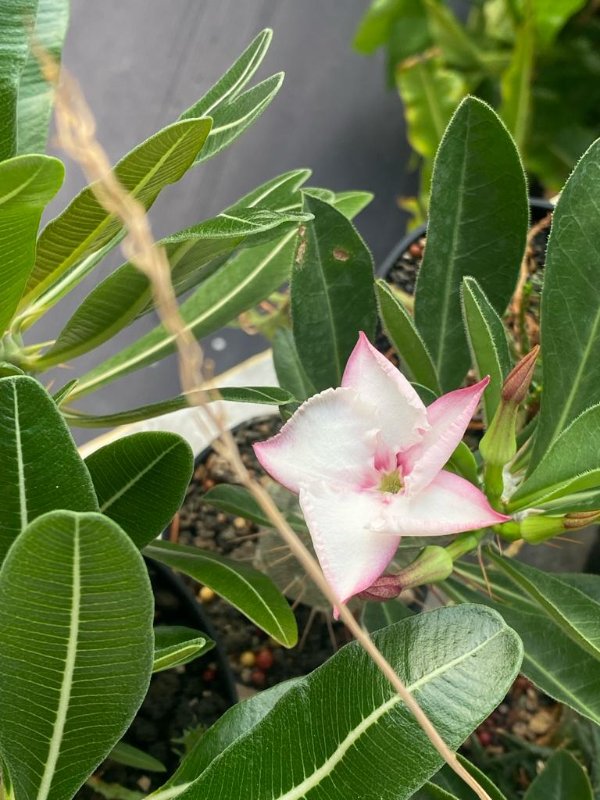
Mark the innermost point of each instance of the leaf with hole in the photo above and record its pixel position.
(80, 592)
(244, 587)
(478, 222)
(332, 296)
(40, 468)
(140, 481)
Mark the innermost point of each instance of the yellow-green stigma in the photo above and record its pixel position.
(391, 482)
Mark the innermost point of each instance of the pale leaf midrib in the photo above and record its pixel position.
(137, 477)
(55, 743)
(24, 516)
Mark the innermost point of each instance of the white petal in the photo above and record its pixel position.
(351, 555)
(331, 437)
(448, 417)
(450, 504)
(399, 409)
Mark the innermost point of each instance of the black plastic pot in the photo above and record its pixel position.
(538, 209)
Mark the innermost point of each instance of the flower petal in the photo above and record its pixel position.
(400, 411)
(330, 437)
(450, 504)
(448, 418)
(352, 556)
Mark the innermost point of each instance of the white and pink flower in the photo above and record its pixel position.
(367, 461)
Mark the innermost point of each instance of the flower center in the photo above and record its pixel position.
(391, 482)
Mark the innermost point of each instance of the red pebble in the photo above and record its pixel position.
(258, 678)
(264, 659)
(485, 738)
(209, 675)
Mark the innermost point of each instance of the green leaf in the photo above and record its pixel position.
(141, 480)
(267, 395)
(15, 23)
(232, 109)
(575, 612)
(244, 281)
(130, 756)
(27, 184)
(430, 94)
(352, 202)
(80, 592)
(449, 781)
(515, 86)
(175, 645)
(376, 616)
(288, 367)
(457, 45)
(562, 777)
(84, 227)
(35, 97)
(488, 344)
(552, 661)
(237, 721)
(550, 18)
(40, 468)
(477, 226)
(244, 587)
(405, 338)
(457, 662)
(8, 370)
(237, 500)
(194, 254)
(332, 293)
(571, 464)
(383, 22)
(570, 314)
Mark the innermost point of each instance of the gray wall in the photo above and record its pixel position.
(141, 62)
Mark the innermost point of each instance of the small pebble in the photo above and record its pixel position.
(541, 722)
(264, 659)
(144, 783)
(206, 595)
(247, 658)
(239, 523)
(209, 675)
(258, 678)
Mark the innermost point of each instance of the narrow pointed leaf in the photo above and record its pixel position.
(562, 777)
(278, 194)
(516, 85)
(40, 468)
(194, 254)
(477, 226)
(176, 645)
(85, 227)
(244, 281)
(267, 395)
(130, 756)
(27, 184)
(449, 781)
(231, 108)
(288, 367)
(551, 659)
(571, 464)
(575, 612)
(570, 313)
(352, 202)
(247, 589)
(141, 480)
(458, 662)
(405, 338)
(332, 293)
(34, 104)
(487, 342)
(80, 592)
(15, 23)
(237, 500)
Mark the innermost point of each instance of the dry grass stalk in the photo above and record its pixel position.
(76, 135)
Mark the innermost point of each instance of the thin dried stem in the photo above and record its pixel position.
(76, 135)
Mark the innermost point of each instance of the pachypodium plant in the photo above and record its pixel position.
(375, 454)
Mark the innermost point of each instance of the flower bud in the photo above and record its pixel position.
(499, 444)
(433, 564)
(538, 528)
